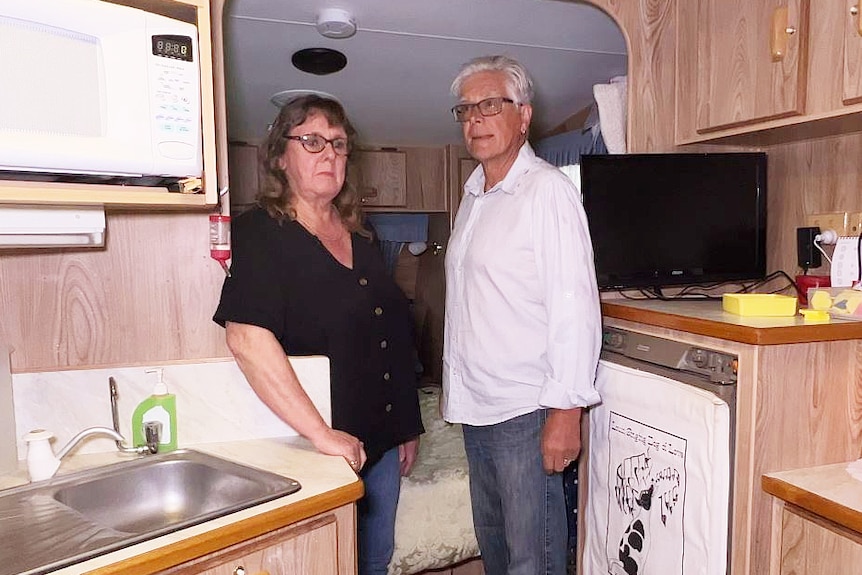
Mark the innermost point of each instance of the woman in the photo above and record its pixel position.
(306, 279)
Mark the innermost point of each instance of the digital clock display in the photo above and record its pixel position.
(173, 46)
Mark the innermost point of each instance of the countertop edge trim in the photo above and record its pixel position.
(738, 333)
(816, 504)
(175, 554)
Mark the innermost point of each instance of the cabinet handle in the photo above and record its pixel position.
(780, 32)
(855, 12)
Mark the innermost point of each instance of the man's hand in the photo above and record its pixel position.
(561, 438)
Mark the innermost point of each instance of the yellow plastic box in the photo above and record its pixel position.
(759, 304)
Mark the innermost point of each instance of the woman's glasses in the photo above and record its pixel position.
(486, 107)
(315, 143)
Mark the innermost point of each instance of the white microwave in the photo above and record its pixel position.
(89, 87)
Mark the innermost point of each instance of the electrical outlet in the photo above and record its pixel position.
(838, 221)
(807, 256)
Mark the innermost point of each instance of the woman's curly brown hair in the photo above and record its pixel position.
(275, 194)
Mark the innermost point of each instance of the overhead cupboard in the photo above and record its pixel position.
(126, 117)
(411, 179)
(745, 67)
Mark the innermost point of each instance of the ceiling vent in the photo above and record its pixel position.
(336, 23)
(319, 61)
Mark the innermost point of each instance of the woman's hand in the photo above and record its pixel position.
(335, 442)
(407, 455)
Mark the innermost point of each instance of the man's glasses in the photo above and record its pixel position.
(486, 107)
(315, 143)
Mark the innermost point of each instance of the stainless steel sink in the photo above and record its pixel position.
(70, 518)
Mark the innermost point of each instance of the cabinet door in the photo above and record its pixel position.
(852, 52)
(426, 179)
(381, 177)
(244, 174)
(751, 61)
(310, 549)
(461, 165)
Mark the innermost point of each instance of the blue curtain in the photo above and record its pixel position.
(395, 231)
(566, 149)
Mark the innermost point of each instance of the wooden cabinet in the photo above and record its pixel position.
(852, 73)
(816, 520)
(403, 180)
(461, 165)
(745, 67)
(381, 178)
(57, 193)
(406, 179)
(322, 545)
(245, 176)
(751, 60)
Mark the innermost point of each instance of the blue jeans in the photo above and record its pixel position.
(519, 511)
(376, 514)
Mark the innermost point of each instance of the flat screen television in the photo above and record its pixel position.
(675, 219)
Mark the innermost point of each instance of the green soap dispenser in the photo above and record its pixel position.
(161, 406)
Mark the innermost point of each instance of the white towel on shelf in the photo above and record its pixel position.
(611, 99)
(659, 480)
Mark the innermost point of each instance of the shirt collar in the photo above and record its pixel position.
(475, 184)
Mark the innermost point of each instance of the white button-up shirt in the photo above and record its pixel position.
(523, 322)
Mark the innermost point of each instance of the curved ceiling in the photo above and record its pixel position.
(405, 54)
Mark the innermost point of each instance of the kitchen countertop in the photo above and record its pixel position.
(828, 491)
(327, 482)
(706, 317)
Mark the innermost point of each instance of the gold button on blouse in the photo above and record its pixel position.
(363, 281)
(378, 310)
(384, 344)
(388, 407)
(386, 376)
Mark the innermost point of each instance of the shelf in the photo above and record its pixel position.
(63, 194)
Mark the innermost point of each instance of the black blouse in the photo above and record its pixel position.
(283, 279)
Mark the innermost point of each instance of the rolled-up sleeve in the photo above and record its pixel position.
(564, 260)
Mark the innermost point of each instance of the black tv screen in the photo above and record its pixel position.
(676, 219)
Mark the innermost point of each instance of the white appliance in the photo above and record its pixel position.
(90, 87)
(51, 227)
(660, 459)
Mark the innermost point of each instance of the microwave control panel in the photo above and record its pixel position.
(175, 86)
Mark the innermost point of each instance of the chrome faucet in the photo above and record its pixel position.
(152, 429)
(42, 463)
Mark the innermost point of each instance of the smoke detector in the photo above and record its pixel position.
(336, 23)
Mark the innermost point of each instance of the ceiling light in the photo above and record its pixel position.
(319, 61)
(279, 99)
(336, 23)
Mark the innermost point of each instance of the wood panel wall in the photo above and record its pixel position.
(809, 177)
(148, 296)
(649, 27)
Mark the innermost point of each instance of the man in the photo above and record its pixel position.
(523, 325)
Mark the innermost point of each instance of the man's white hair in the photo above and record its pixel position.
(518, 80)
